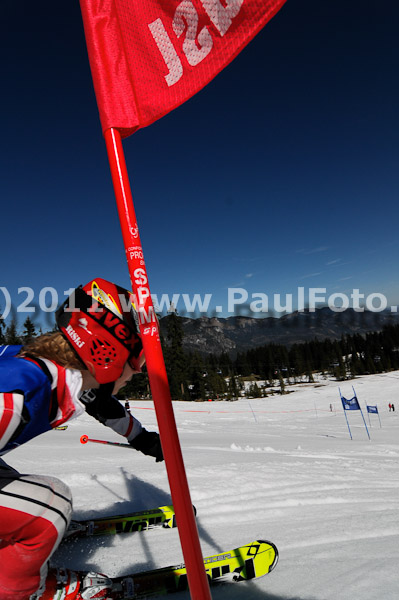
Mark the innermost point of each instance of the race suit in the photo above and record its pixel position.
(37, 395)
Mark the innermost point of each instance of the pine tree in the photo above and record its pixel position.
(216, 384)
(282, 384)
(225, 364)
(243, 365)
(255, 391)
(176, 363)
(198, 377)
(11, 336)
(309, 375)
(232, 392)
(2, 327)
(30, 330)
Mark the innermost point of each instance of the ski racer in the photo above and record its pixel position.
(54, 378)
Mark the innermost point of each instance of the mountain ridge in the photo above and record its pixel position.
(217, 335)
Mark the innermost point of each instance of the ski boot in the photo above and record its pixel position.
(64, 584)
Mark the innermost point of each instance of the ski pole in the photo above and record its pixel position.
(85, 438)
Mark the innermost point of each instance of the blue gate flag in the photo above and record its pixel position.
(373, 410)
(351, 404)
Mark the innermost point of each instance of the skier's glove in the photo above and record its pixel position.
(148, 442)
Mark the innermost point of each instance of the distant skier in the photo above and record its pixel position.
(127, 407)
(54, 378)
(393, 407)
(390, 407)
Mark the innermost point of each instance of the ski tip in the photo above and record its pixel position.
(276, 553)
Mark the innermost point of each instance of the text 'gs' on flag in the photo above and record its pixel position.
(148, 57)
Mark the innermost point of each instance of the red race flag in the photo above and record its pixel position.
(148, 57)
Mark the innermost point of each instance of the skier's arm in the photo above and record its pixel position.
(13, 416)
(104, 407)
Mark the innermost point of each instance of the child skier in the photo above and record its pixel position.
(51, 380)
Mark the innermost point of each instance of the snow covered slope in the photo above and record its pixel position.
(280, 468)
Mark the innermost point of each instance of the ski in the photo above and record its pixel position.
(247, 562)
(162, 516)
(241, 564)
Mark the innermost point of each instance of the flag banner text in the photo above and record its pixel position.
(149, 57)
(351, 404)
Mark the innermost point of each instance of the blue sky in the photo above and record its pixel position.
(282, 173)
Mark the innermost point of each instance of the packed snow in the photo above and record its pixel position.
(281, 468)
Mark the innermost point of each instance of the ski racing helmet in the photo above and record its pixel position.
(100, 323)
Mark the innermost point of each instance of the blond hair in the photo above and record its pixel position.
(54, 347)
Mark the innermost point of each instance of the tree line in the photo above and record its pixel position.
(9, 334)
(194, 376)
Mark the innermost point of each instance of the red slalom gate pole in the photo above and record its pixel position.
(185, 518)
